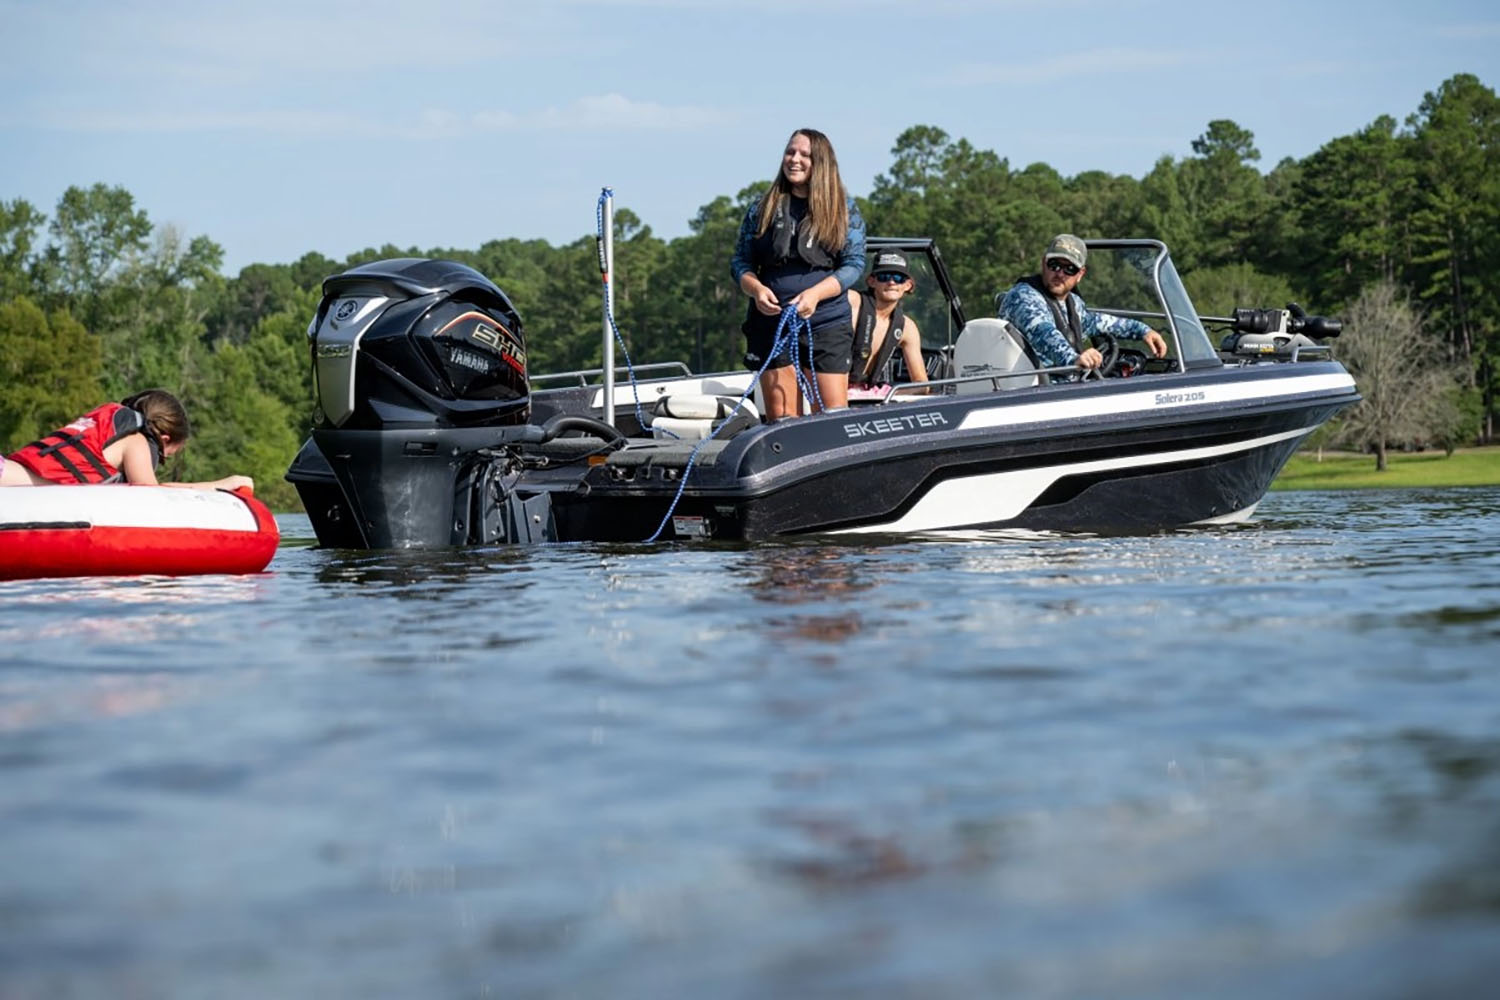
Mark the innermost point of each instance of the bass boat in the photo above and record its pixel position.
(429, 430)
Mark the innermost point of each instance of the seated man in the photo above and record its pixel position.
(881, 327)
(1052, 317)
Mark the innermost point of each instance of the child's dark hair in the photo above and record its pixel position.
(163, 412)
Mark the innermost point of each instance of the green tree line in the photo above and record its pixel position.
(97, 302)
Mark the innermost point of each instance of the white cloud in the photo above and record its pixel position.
(1123, 63)
(1470, 32)
(286, 122)
(496, 121)
(613, 112)
(210, 44)
(801, 6)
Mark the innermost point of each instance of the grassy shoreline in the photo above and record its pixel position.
(1353, 471)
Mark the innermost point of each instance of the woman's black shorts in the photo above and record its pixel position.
(832, 347)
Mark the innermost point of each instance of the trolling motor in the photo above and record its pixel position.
(420, 380)
(1276, 334)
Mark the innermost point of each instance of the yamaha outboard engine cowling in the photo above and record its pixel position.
(420, 377)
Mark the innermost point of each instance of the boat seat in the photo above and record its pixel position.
(692, 417)
(935, 361)
(989, 345)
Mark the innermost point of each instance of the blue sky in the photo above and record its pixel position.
(280, 127)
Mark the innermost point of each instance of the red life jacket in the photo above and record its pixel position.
(75, 454)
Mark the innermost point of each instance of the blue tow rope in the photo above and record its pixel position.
(787, 340)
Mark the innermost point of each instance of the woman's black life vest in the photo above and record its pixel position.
(879, 372)
(789, 237)
(788, 262)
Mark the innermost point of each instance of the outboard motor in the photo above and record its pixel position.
(421, 391)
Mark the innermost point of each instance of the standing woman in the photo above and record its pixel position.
(801, 244)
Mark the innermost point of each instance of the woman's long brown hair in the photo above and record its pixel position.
(827, 201)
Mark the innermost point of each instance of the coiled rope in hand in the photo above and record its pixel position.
(787, 340)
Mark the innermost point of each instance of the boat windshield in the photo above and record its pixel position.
(1136, 278)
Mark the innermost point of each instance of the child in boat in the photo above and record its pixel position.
(881, 327)
(116, 442)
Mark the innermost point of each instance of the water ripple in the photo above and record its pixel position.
(1250, 760)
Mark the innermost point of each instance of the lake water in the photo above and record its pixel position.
(1244, 762)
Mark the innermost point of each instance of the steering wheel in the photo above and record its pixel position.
(1110, 348)
(1130, 363)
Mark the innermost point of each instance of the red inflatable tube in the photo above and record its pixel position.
(48, 531)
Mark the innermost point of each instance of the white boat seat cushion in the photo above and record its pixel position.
(988, 345)
(691, 417)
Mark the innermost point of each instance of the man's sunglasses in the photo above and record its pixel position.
(890, 277)
(1062, 266)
